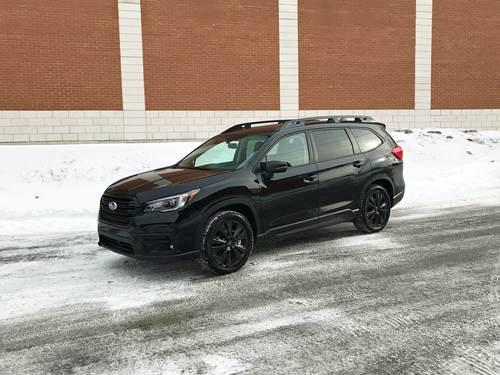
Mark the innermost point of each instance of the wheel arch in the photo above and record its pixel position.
(386, 183)
(239, 204)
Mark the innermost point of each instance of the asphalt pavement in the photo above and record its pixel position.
(421, 297)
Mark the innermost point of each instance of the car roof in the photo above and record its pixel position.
(259, 127)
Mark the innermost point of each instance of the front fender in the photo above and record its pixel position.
(219, 205)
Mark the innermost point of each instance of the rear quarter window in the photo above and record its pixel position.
(367, 140)
(332, 144)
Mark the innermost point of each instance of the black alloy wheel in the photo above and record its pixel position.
(227, 242)
(374, 211)
(377, 209)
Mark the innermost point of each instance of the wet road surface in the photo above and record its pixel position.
(421, 297)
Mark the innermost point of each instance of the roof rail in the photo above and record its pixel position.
(248, 125)
(330, 119)
(285, 124)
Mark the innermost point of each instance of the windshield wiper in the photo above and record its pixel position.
(202, 168)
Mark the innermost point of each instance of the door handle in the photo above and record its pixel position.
(358, 164)
(310, 178)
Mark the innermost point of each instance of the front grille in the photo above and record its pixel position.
(122, 215)
(120, 246)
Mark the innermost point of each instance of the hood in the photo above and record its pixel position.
(162, 182)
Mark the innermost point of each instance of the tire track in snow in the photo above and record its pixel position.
(331, 301)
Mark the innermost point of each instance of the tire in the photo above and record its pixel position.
(374, 210)
(226, 242)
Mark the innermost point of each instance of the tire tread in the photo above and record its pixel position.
(359, 222)
(203, 259)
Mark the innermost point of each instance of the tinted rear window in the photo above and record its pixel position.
(332, 144)
(366, 139)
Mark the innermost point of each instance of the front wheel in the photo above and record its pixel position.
(374, 210)
(226, 242)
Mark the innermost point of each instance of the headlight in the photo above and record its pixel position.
(170, 203)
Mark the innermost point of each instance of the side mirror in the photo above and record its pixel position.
(276, 167)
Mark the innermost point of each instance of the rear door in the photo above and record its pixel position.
(289, 200)
(343, 172)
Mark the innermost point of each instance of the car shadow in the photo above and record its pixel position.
(161, 271)
(193, 270)
(319, 235)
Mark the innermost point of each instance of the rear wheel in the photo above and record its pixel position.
(374, 210)
(226, 242)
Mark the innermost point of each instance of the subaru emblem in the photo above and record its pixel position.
(112, 206)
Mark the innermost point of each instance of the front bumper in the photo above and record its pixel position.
(151, 237)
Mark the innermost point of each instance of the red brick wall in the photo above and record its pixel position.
(465, 54)
(211, 55)
(59, 55)
(356, 54)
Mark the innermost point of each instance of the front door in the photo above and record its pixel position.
(289, 200)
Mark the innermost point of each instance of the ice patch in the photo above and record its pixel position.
(224, 366)
(374, 241)
(79, 277)
(276, 264)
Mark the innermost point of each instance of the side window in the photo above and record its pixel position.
(366, 139)
(332, 144)
(292, 149)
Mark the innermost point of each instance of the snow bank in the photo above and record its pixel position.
(58, 187)
(450, 166)
(51, 188)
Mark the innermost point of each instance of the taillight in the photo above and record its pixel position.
(398, 152)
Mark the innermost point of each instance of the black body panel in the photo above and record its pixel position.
(341, 182)
(303, 197)
(289, 201)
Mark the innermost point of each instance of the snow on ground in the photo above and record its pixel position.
(68, 306)
(421, 297)
(64, 269)
(450, 166)
(52, 188)
(49, 188)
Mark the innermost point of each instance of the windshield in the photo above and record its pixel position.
(225, 152)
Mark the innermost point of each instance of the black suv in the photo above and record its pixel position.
(254, 182)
